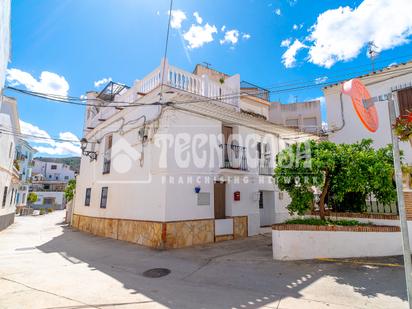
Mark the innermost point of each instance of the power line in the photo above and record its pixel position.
(165, 53)
(25, 135)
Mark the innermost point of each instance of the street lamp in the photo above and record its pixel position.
(91, 154)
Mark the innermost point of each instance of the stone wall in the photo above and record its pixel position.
(6, 220)
(177, 234)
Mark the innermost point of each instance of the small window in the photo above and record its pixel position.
(4, 197)
(66, 177)
(103, 198)
(10, 150)
(53, 167)
(260, 199)
(88, 194)
(11, 197)
(107, 154)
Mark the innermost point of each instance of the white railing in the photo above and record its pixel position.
(184, 80)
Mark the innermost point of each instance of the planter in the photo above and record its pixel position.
(300, 242)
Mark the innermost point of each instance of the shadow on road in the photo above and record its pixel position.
(235, 274)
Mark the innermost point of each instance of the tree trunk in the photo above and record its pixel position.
(323, 196)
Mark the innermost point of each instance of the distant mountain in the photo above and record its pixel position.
(73, 162)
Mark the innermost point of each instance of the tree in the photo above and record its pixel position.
(69, 191)
(334, 170)
(32, 198)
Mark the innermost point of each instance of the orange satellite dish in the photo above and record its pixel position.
(361, 100)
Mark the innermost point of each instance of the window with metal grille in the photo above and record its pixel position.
(107, 154)
(88, 195)
(103, 197)
(4, 197)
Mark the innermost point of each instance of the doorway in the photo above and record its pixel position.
(220, 200)
(266, 207)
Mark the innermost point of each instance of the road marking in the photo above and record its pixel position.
(359, 262)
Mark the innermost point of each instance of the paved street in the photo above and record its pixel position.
(44, 264)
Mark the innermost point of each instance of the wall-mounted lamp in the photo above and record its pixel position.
(91, 154)
(197, 189)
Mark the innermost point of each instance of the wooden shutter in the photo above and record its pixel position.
(405, 101)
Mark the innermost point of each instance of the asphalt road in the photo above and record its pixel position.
(45, 264)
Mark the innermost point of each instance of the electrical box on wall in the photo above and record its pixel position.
(236, 196)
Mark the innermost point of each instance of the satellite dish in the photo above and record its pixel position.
(361, 100)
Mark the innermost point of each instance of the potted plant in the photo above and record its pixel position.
(403, 127)
(406, 176)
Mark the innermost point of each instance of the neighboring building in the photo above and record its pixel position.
(174, 175)
(53, 171)
(4, 40)
(49, 181)
(50, 194)
(24, 158)
(9, 175)
(343, 122)
(305, 116)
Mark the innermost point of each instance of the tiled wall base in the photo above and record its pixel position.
(159, 235)
(6, 220)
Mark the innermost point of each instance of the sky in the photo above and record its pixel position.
(68, 47)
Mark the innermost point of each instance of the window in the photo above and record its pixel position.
(4, 197)
(260, 199)
(107, 154)
(66, 177)
(11, 197)
(405, 101)
(103, 198)
(88, 194)
(53, 167)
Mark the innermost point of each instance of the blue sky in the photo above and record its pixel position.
(65, 46)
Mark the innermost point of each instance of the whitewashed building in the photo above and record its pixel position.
(53, 171)
(343, 122)
(305, 116)
(9, 174)
(191, 166)
(24, 158)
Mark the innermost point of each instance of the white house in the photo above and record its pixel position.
(53, 171)
(305, 116)
(24, 158)
(50, 194)
(9, 175)
(187, 167)
(343, 121)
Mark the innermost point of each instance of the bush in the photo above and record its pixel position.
(317, 221)
(42, 211)
(49, 209)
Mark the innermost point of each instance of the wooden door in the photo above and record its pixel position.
(220, 200)
(227, 132)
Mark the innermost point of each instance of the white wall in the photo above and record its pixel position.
(300, 245)
(353, 130)
(61, 172)
(59, 197)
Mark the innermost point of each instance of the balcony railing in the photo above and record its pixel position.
(265, 167)
(234, 157)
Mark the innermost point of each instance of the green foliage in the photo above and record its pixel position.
(403, 126)
(69, 191)
(42, 211)
(317, 221)
(49, 210)
(32, 198)
(335, 170)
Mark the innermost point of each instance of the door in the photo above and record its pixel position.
(266, 207)
(220, 200)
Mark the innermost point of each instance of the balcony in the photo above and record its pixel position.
(233, 157)
(265, 167)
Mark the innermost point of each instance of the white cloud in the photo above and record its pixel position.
(231, 37)
(178, 17)
(341, 34)
(199, 19)
(223, 28)
(83, 97)
(297, 27)
(285, 43)
(197, 36)
(102, 81)
(158, 13)
(246, 36)
(49, 82)
(278, 12)
(46, 145)
(289, 57)
(321, 80)
(292, 2)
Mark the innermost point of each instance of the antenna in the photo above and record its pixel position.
(373, 53)
(207, 64)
